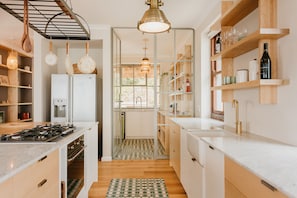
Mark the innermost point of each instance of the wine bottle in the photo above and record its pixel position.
(265, 64)
(218, 44)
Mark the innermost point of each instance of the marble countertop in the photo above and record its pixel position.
(272, 161)
(193, 124)
(14, 157)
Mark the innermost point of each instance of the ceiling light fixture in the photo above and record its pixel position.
(145, 63)
(154, 19)
(12, 60)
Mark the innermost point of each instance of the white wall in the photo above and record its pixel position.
(273, 121)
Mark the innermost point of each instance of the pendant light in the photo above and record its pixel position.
(145, 63)
(154, 19)
(12, 60)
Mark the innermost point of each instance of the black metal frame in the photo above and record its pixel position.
(53, 19)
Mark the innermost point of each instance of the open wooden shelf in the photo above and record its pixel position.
(251, 42)
(252, 84)
(238, 11)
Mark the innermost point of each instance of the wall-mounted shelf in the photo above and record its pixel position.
(238, 11)
(251, 42)
(232, 13)
(16, 95)
(252, 84)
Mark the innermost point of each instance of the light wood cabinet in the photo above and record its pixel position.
(232, 13)
(174, 155)
(16, 99)
(41, 179)
(239, 182)
(163, 131)
(181, 94)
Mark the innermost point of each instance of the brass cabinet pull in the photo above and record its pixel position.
(194, 159)
(211, 147)
(43, 158)
(42, 183)
(268, 185)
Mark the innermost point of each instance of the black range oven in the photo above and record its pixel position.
(75, 166)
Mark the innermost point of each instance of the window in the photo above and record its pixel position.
(137, 88)
(217, 106)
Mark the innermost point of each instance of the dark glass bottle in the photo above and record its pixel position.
(265, 64)
(218, 44)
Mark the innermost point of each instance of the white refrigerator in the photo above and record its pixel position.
(74, 98)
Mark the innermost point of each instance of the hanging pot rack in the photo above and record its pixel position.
(53, 19)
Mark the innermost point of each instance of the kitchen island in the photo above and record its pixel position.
(272, 163)
(16, 158)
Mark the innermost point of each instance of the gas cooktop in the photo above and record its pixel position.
(40, 133)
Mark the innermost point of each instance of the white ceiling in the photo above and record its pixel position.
(120, 13)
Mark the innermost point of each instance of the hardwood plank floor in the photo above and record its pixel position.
(136, 169)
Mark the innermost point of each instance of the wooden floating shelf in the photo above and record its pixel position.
(25, 71)
(252, 41)
(238, 11)
(252, 84)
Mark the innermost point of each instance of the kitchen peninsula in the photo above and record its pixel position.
(45, 163)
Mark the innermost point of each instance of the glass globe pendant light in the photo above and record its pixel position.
(12, 60)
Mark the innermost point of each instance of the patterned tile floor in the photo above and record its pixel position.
(136, 188)
(138, 149)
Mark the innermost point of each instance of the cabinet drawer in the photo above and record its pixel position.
(6, 188)
(41, 177)
(247, 183)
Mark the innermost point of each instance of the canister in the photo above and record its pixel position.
(253, 70)
(241, 75)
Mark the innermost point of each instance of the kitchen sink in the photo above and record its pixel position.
(194, 142)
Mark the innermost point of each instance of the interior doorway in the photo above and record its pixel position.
(138, 96)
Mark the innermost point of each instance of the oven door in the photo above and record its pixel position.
(75, 167)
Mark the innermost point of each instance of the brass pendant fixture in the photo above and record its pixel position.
(145, 63)
(154, 19)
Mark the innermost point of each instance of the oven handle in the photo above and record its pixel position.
(79, 152)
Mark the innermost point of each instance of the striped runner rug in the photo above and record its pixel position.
(137, 188)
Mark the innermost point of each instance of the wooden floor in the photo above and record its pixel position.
(136, 169)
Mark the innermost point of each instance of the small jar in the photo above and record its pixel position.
(241, 75)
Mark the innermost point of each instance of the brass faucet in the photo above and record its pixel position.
(238, 123)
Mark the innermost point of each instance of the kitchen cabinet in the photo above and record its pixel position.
(181, 80)
(174, 153)
(233, 13)
(163, 131)
(91, 167)
(43, 179)
(214, 172)
(191, 172)
(16, 99)
(242, 183)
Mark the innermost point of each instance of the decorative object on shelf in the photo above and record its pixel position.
(154, 19)
(188, 85)
(68, 64)
(241, 75)
(4, 80)
(265, 65)
(2, 116)
(218, 44)
(145, 63)
(26, 43)
(86, 64)
(0, 59)
(12, 60)
(27, 68)
(253, 70)
(51, 58)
